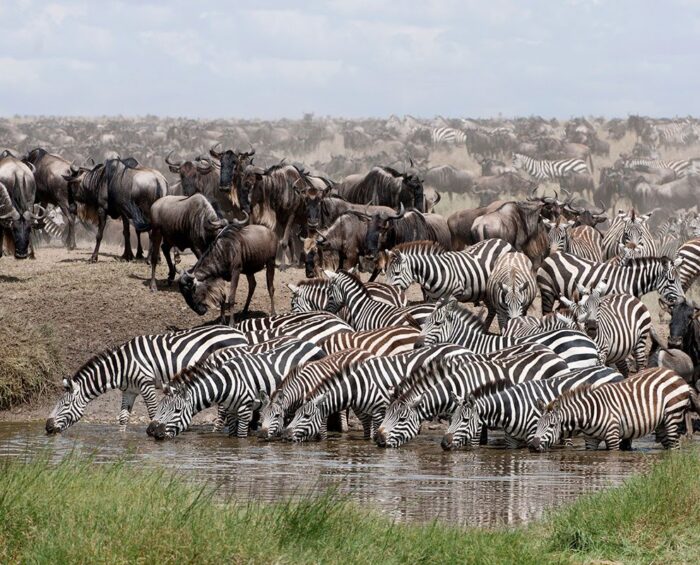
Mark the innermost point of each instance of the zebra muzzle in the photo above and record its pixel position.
(447, 442)
(51, 427)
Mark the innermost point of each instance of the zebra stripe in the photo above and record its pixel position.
(234, 386)
(530, 325)
(452, 324)
(312, 295)
(443, 273)
(137, 367)
(315, 330)
(515, 409)
(630, 229)
(511, 288)
(561, 274)
(384, 341)
(689, 257)
(448, 136)
(280, 320)
(436, 385)
(365, 387)
(679, 166)
(582, 241)
(290, 395)
(548, 170)
(653, 400)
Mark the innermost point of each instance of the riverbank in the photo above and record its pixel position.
(80, 512)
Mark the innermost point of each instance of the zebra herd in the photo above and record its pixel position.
(348, 346)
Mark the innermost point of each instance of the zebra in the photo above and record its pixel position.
(234, 386)
(629, 228)
(434, 386)
(364, 386)
(452, 324)
(443, 273)
(510, 289)
(679, 166)
(448, 136)
(652, 400)
(315, 330)
(560, 274)
(287, 398)
(689, 257)
(280, 320)
(670, 236)
(384, 341)
(312, 294)
(544, 170)
(675, 133)
(365, 313)
(136, 367)
(583, 241)
(514, 409)
(619, 322)
(530, 325)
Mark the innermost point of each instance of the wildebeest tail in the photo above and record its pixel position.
(137, 218)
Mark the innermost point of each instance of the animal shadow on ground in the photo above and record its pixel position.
(10, 279)
(162, 284)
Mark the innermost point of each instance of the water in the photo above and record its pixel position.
(417, 482)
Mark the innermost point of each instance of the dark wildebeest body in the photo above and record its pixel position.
(684, 330)
(508, 183)
(184, 222)
(52, 187)
(18, 181)
(202, 177)
(460, 223)
(269, 196)
(112, 189)
(235, 251)
(232, 165)
(384, 186)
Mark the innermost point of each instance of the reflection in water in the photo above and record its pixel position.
(420, 482)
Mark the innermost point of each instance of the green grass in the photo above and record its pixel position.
(29, 362)
(80, 512)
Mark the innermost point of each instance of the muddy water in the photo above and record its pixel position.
(418, 482)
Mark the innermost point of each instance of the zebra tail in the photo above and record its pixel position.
(137, 218)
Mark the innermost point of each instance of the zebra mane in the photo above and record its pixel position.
(432, 372)
(192, 373)
(568, 395)
(423, 246)
(355, 280)
(315, 283)
(470, 319)
(339, 374)
(487, 389)
(94, 360)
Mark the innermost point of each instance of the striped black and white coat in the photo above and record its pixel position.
(561, 274)
(315, 330)
(365, 387)
(137, 367)
(689, 257)
(235, 386)
(582, 241)
(365, 313)
(312, 295)
(679, 166)
(448, 136)
(632, 230)
(620, 324)
(434, 387)
(548, 170)
(440, 273)
(384, 341)
(654, 400)
(280, 320)
(451, 323)
(514, 409)
(531, 325)
(290, 395)
(510, 288)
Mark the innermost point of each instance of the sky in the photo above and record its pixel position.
(352, 58)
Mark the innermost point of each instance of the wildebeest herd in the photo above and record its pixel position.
(581, 367)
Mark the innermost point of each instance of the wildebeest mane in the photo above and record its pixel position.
(36, 155)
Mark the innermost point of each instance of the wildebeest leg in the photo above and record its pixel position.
(252, 283)
(270, 276)
(155, 257)
(375, 274)
(128, 398)
(128, 254)
(285, 247)
(139, 248)
(101, 221)
(232, 297)
(171, 267)
(70, 233)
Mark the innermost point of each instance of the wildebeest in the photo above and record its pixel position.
(111, 189)
(449, 179)
(238, 249)
(270, 198)
(684, 328)
(201, 176)
(52, 187)
(683, 193)
(510, 183)
(18, 182)
(384, 186)
(232, 165)
(185, 222)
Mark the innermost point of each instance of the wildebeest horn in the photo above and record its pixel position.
(41, 214)
(215, 154)
(186, 279)
(74, 168)
(29, 164)
(169, 162)
(252, 151)
(241, 223)
(207, 165)
(531, 195)
(400, 215)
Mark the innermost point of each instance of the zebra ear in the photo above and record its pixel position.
(393, 393)
(294, 288)
(330, 275)
(547, 222)
(413, 405)
(541, 405)
(320, 400)
(167, 390)
(458, 400)
(678, 262)
(471, 401)
(264, 398)
(665, 306)
(566, 302)
(601, 287)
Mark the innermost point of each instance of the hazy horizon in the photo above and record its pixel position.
(349, 59)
